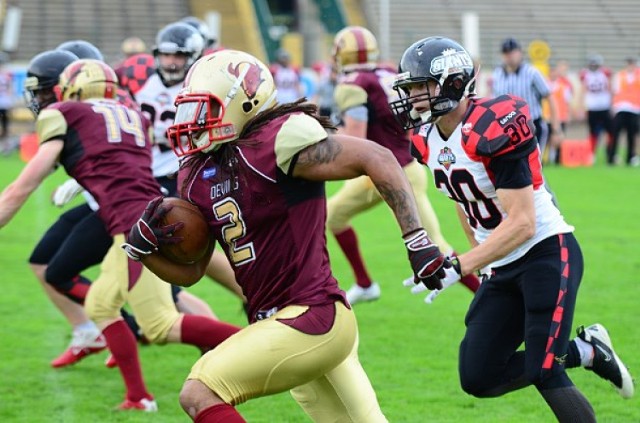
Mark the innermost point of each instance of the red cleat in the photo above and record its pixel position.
(145, 404)
(110, 362)
(82, 344)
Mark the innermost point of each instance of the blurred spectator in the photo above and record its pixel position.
(132, 46)
(516, 77)
(562, 93)
(6, 98)
(596, 99)
(326, 76)
(286, 77)
(626, 111)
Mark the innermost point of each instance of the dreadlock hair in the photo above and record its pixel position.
(226, 152)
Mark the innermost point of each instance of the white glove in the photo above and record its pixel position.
(451, 277)
(66, 192)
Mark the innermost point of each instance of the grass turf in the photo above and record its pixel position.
(408, 348)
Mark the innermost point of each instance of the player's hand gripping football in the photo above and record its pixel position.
(427, 261)
(148, 233)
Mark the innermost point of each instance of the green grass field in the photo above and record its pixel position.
(408, 348)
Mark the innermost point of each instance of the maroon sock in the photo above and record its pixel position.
(122, 345)
(205, 332)
(471, 281)
(348, 241)
(219, 413)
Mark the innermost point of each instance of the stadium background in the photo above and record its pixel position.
(408, 349)
(571, 29)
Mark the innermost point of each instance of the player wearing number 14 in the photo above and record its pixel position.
(105, 146)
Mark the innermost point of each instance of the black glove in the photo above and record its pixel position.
(427, 261)
(146, 235)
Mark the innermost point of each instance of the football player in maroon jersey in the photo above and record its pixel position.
(256, 170)
(362, 95)
(484, 155)
(105, 146)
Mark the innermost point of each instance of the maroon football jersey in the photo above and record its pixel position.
(382, 126)
(270, 224)
(108, 151)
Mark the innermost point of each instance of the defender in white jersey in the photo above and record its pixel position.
(484, 155)
(178, 46)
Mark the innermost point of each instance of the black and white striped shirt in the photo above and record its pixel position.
(527, 82)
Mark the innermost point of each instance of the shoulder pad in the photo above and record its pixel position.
(349, 95)
(498, 127)
(51, 123)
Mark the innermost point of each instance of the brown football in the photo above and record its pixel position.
(195, 232)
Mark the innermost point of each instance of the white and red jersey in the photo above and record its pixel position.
(597, 88)
(462, 167)
(157, 103)
(287, 82)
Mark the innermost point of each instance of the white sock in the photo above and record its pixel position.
(586, 352)
(87, 326)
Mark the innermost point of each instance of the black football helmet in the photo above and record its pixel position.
(42, 77)
(83, 49)
(202, 28)
(177, 38)
(436, 59)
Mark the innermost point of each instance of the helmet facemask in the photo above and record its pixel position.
(222, 92)
(198, 125)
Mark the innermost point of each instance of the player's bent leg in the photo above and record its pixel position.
(152, 305)
(355, 196)
(86, 338)
(196, 397)
(105, 299)
(188, 303)
(343, 394)
(73, 312)
(270, 356)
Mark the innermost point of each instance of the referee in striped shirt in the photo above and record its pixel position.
(523, 80)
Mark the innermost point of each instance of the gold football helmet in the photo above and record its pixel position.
(355, 46)
(133, 45)
(221, 93)
(88, 78)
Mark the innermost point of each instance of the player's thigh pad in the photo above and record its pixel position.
(110, 290)
(269, 357)
(355, 196)
(344, 394)
(150, 297)
(152, 304)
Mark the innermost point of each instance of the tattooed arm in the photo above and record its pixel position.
(345, 157)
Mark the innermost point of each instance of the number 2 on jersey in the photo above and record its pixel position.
(233, 231)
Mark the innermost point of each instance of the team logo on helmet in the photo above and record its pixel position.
(446, 157)
(251, 76)
(452, 61)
